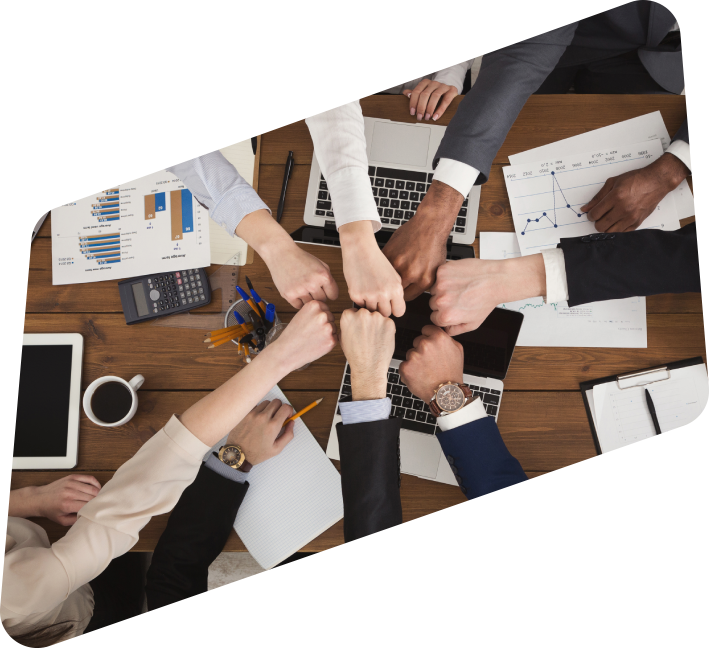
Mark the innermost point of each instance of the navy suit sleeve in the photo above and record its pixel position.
(480, 458)
(196, 533)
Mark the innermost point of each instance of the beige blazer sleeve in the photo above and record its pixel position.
(37, 579)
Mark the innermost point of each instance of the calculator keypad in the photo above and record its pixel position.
(173, 290)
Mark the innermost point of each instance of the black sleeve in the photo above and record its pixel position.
(369, 465)
(641, 263)
(196, 533)
(682, 133)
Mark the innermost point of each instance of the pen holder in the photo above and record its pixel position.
(275, 333)
(244, 310)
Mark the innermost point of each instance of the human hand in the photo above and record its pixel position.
(435, 358)
(258, 433)
(625, 201)
(430, 99)
(309, 335)
(371, 280)
(367, 340)
(418, 248)
(58, 501)
(299, 277)
(466, 291)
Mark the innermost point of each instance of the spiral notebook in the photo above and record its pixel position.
(292, 498)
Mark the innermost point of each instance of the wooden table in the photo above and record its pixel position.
(542, 421)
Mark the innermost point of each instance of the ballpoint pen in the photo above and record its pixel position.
(286, 177)
(257, 300)
(653, 413)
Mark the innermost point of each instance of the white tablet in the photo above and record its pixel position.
(47, 425)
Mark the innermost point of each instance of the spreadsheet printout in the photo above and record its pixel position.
(152, 224)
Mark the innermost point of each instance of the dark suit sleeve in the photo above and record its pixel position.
(641, 263)
(479, 458)
(196, 533)
(369, 465)
(682, 133)
(507, 79)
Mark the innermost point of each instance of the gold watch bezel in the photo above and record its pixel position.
(435, 397)
(242, 456)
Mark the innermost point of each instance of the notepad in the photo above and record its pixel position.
(292, 498)
(620, 413)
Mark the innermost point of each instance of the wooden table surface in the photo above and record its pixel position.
(542, 419)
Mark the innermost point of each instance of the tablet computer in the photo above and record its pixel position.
(47, 423)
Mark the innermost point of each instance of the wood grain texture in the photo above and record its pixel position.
(177, 359)
(542, 120)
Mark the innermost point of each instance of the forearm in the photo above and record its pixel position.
(261, 231)
(24, 503)
(214, 416)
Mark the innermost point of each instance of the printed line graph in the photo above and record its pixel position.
(564, 205)
(546, 196)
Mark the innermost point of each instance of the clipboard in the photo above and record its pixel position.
(646, 377)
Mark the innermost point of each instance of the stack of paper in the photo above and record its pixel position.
(292, 498)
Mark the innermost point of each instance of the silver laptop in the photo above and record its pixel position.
(488, 352)
(401, 171)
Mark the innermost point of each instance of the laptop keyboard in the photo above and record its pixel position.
(416, 414)
(397, 193)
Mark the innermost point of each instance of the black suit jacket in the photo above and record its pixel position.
(641, 263)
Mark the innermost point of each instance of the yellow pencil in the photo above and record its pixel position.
(303, 411)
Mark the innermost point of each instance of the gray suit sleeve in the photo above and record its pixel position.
(682, 133)
(507, 78)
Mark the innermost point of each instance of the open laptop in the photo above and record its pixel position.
(488, 352)
(401, 171)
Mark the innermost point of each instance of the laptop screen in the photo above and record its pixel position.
(488, 350)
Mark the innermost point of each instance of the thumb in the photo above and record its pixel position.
(285, 437)
(608, 185)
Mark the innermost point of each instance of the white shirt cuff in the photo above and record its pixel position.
(365, 411)
(352, 198)
(680, 149)
(557, 287)
(456, 174)
(471, 412)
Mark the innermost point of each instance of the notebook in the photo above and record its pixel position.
(617, 407)
(292, 498)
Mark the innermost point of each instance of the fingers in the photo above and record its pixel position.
(609, 220)
(429, 330)
(84, 491)
(383, 307)
(424, 96)
(286, 436)
(330, 287)
(445, 102)
(436, 96)
(414, 96)
(398, 305)
(260, 407)
(87, 479)
(412, 291)
(272, 408)
(296, 303)
(605, 190)
(67, 520)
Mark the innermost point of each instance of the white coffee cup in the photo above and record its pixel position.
(133, 386)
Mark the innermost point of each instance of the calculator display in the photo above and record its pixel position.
(140, 302)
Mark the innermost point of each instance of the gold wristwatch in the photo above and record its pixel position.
(450, 397)
(234, 457)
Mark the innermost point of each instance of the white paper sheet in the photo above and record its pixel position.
(117, 233)
(638, 129)
(619, 323)
(622, 416)
(292, 498)
(546, 196)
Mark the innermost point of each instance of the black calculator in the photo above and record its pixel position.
(151, 296)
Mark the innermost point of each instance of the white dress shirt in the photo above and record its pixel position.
(680, 149)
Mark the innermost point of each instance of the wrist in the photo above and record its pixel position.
(671, 171)
(358, 235)
(24, 502)
(439, 208)
(273, 361)
(264, 235)
(366, 386)
(521, 278)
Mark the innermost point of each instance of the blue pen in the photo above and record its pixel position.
(270, 316)
(257, 299)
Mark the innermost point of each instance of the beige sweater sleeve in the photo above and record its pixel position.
(37, 579)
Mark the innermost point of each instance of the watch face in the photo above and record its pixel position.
(231, 456)
(450, 398)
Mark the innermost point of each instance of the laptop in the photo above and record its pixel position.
(401, 171)
(488, 352)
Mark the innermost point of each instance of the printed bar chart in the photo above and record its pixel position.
(149, 206)
(102, 248)
(187, 219)
(107, 206)
(176, 215)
